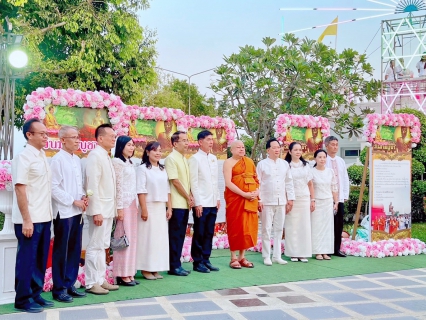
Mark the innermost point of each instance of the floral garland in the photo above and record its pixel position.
(207, 122)
(81, 277)
(5, 175)
(373, 121)
(284, 121)
(43, 97)
(383, 248)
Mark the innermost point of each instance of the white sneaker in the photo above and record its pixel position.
(267, 261)
(279, 261)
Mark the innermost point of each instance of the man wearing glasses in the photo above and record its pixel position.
(32, 216)
(178, 173)
(69, 202)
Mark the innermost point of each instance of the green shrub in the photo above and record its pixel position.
(355, 174)
(362, 155)
(420, 154)
(417, 169)
(352, 204)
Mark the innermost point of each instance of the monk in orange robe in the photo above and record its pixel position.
(241, 197)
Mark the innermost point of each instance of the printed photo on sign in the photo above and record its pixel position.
(86, 120)
(309, 138)
(220, 144)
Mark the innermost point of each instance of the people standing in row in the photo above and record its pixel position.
(101, 180)
(153, 189)
(241, 197)
(203, 172)
(276, 197)
(182, 200)
(326, 203)
(32, 217)
(127, 211)
(69, 201)
(298, 244)
(338, 165)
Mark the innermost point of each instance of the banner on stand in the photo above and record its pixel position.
(391, 137)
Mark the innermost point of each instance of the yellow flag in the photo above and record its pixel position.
(331, 30)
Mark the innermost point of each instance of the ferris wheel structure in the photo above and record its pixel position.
(402, 41)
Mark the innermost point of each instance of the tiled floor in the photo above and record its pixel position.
(390, 295)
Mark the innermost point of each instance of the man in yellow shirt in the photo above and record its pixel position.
(182, 200)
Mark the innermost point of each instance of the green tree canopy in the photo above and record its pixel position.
(84, 44)
(300, 77)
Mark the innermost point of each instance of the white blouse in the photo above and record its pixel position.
(324, 183)
(154, 182)
(126, 183)
(301, 176)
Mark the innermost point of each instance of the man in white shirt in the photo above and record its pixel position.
(32, 216)
(338, 166)
(69, 202)
(203, 172)
(100, 180)
(421, 66)
(276, 197)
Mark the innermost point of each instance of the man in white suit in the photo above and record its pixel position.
(100, 180)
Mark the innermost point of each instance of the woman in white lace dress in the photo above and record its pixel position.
(326, 201)
(124, 266)
(298, 220)
(153, 190)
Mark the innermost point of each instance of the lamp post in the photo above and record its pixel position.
(189, 82)
(12, 60)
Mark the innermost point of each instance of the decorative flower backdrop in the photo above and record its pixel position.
(207, 122)
(43, 97)
(5, 175)
(284, 121)
(373, 121)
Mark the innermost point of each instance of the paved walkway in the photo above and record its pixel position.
(392, 295)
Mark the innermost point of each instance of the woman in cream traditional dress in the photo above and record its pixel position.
(153, 190)
(298, 221)
(326, 201)
(124, 267)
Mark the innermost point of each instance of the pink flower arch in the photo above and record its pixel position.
(285, 121)
(43, 97)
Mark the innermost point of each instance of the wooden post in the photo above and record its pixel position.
(361, 193)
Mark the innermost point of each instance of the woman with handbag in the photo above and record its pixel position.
(153, 191)
(124, 267)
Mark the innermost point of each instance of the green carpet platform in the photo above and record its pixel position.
(260, 275)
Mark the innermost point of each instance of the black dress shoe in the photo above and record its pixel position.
(201, 268)
(340, 254)
(31, 307)
(63, 297)
(210, 266)
(182, 269)
(121, 282)
(178, 272)
(76, 294)
(44, 303)
(136, 282)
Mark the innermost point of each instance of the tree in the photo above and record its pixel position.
(84, 44)
(300, 77)
(200, 104)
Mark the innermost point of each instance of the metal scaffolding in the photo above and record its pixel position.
(403, 41)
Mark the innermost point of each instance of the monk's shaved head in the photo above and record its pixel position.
(235, 143)
(237, 148)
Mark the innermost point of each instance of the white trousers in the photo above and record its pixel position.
(272, 217)
(99, 240)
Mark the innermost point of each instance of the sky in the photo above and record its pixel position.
(194, 36)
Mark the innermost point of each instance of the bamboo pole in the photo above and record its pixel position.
(361, 193)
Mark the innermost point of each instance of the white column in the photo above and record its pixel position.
(6, 200)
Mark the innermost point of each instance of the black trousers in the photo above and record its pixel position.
(66, 252)
(31, 260)
(177, 229)
(202, 238)
(338, 226)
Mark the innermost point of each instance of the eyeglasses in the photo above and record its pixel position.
(73, 138)
(45, 134)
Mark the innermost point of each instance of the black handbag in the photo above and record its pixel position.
(119, 243)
